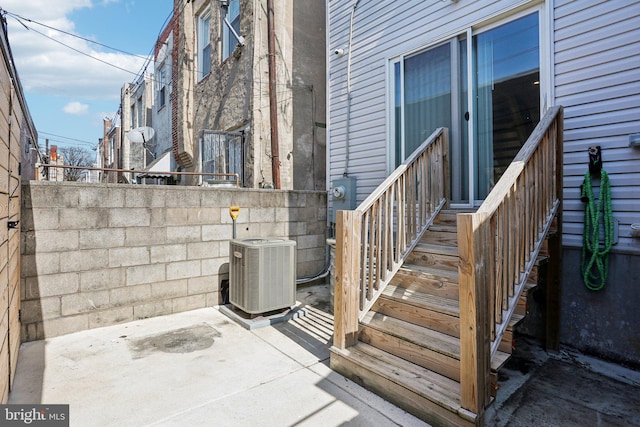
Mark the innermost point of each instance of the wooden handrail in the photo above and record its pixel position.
(498, 246)
(373, 241)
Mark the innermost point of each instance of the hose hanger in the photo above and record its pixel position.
(595, 257)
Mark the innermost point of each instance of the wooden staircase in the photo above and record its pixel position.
(426, 299)
(408, 348)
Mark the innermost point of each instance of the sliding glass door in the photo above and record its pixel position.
(487, 125)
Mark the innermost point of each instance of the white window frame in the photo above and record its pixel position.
(227, 34)
(204, 44)
(486, 24)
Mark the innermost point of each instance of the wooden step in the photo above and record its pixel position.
(444, 228)
(434, 273)
(430, 349)
(423, 255)
(440, 238)
(424, 309)
(448, 216)
(415, 281)
(421, 392)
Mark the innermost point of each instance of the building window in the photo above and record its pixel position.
(488, 123)
(204, 44)
(229, 40)
(161, 87)
(133, 116)
(140, 121)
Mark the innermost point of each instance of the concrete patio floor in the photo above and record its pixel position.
(199, 368)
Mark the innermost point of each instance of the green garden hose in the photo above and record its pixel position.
(595, 260)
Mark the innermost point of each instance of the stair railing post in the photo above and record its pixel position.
(347, 287)
(554, 270)
(475, 346)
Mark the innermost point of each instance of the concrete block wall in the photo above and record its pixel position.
(98, 255)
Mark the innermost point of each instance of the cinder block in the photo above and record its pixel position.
(183, 270)
(63, 325)
(130, 295)
(52, 285)
(144, 198)
(130, 217)
(102, 279)
(262, 215)
(309, 255)
(275, 229)
(282, 214)
(152, 309)
(55, 241)
(102, 238)
(182, 197)
(50, 195)
(203, 216)
(101, 196)
(40, 309)
(295, 199)
(73, 219)
(39, 264)
(176, 216)
(85, 260)
(40, 219)
(217, 232)
(310, 241)
(215, 266)
(84, 302)
(202, 250)
(271, 199)
(192, 302)
(202, 285)
(143, 236)
(213, 298)
(168, 253)
(216, 197)
(123, 257)
(140, 274)
(297, 228)
(169, 289)
(184, 234)
(158, 217)
(113, 316)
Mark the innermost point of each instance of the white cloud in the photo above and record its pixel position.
(46, 67)
(76, 108)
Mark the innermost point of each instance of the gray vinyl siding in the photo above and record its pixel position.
(596, 77)
(382, 30)
(597, 80)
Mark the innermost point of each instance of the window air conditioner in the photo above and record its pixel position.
(262, 274)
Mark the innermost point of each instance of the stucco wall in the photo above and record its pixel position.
(97, 255)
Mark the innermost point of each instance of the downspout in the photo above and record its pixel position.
(273, 102)
(348, 124)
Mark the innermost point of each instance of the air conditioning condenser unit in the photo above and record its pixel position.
(262, 274)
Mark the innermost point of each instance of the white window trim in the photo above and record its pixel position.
(226, 31)
(206, 14)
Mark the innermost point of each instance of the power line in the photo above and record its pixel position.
(66, 137)
(18, 17)
(74, 49)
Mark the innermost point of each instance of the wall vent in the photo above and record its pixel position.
(262, 274)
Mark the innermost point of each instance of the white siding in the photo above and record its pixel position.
(382, 30)
(596, 64)
(597, 80)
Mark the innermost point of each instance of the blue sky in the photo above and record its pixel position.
(69, 93)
